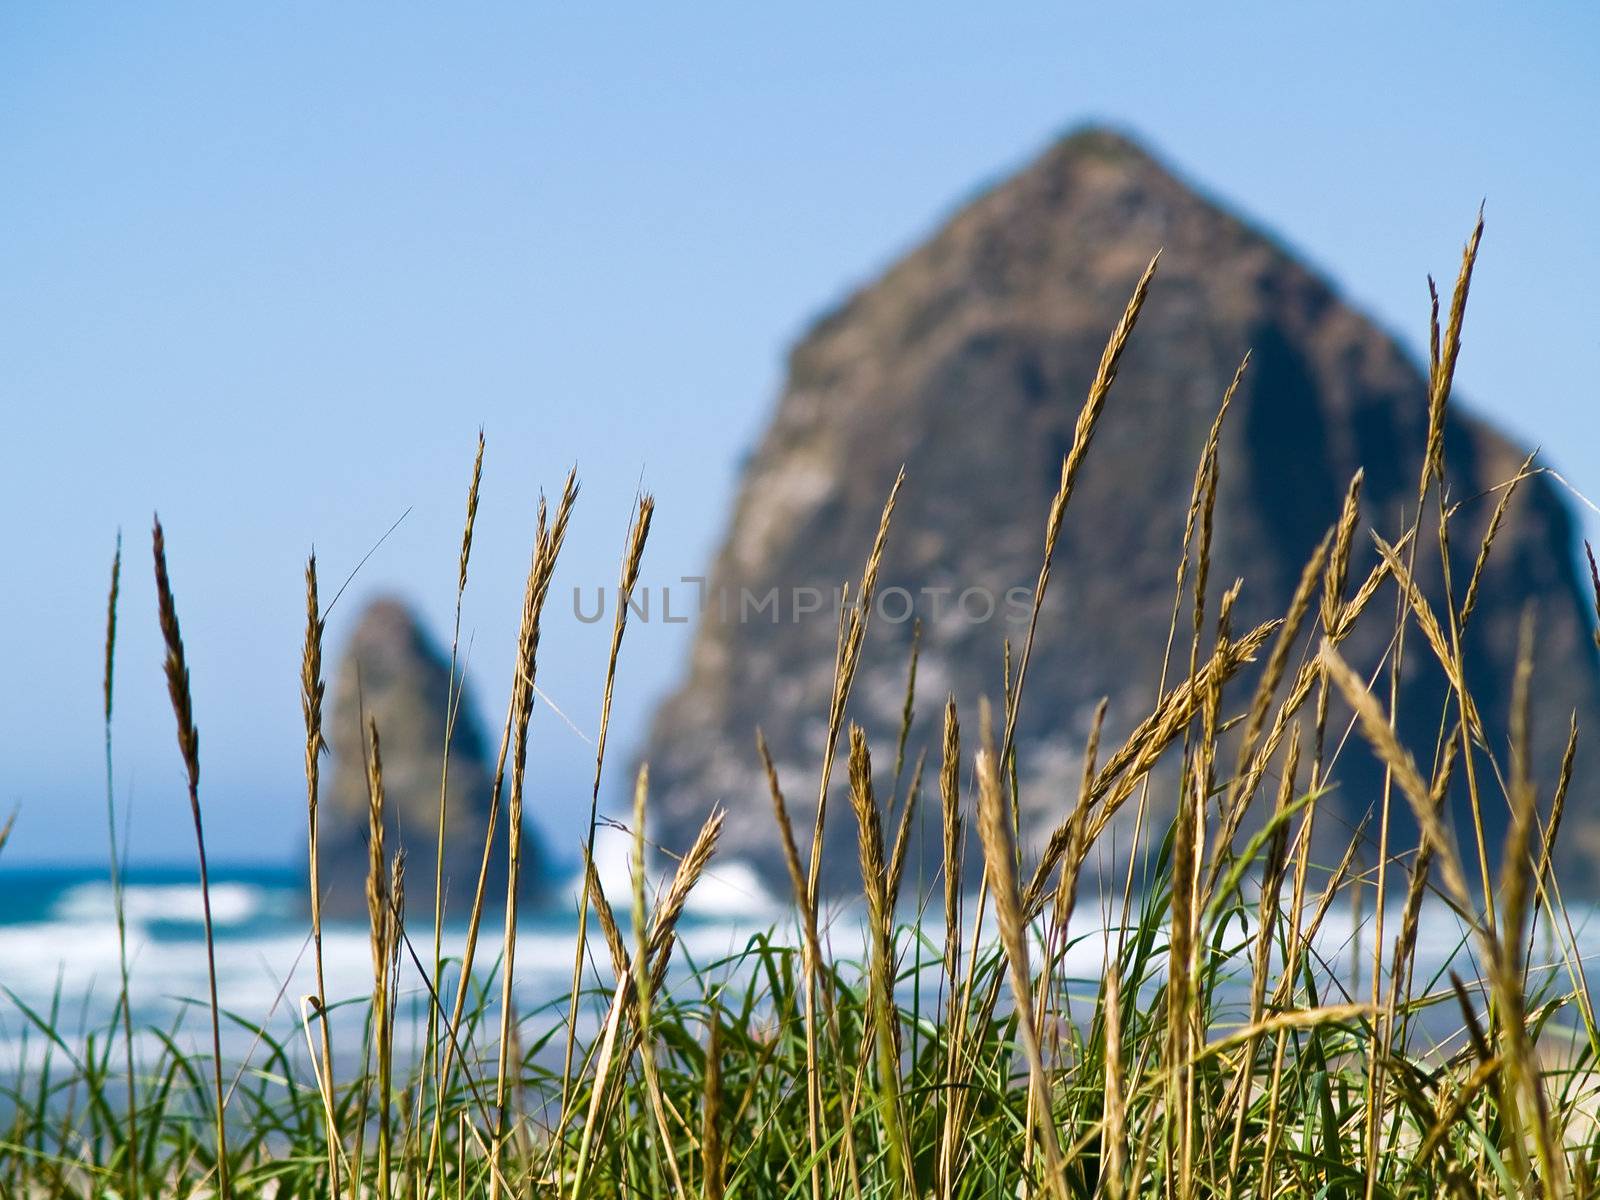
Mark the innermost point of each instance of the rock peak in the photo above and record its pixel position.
(967, 360)
(1094, 141)
(392, 671)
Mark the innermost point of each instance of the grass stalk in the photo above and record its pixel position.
(312, 689)
(453, 698)
(118, 899)
(177, 672)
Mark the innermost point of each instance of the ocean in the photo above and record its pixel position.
(59, 960)
(59, 957)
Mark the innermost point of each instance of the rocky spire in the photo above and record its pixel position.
(968, 361)
(393, 672)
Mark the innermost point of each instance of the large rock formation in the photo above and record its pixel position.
(967, 361)
(392, 672)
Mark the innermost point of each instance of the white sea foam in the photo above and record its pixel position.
(264, 961)
(733, 891)
(231, 903)
(729, 889)
(264, 957)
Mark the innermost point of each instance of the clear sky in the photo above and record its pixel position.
(267, 268)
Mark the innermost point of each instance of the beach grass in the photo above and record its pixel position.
(947, 1049)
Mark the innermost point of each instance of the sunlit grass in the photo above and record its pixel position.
(926, 1038)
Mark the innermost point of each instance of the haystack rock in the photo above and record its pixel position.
(967, 361)
(393, 672)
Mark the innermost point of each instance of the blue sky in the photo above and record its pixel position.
(267, 268)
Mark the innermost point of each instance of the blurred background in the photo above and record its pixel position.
(267, 270)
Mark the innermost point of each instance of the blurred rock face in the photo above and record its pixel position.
(392, 672)
(968, 361)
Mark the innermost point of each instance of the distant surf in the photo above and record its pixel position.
(59, 963)
(58, 946)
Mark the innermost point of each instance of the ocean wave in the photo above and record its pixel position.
(729, 890)
(232, 903)
(265, 969)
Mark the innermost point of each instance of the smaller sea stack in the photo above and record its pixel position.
(392, 672)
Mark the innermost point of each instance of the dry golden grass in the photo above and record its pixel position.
(177, 672)
(1221, 1050)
